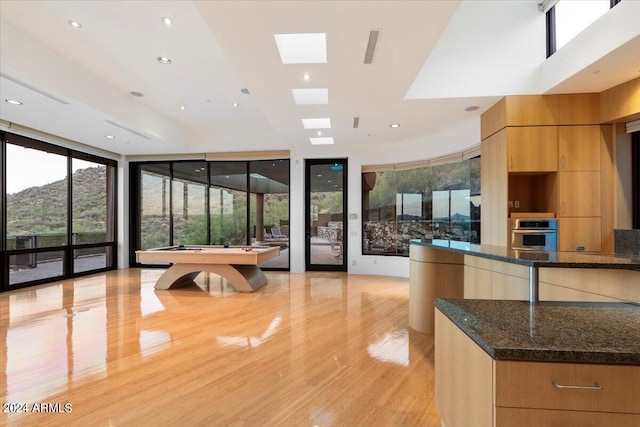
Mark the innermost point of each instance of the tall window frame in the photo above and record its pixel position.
(552, 24)
(219, 175)
(72, 246)
(431, 199)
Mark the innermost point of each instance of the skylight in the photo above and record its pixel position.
(327, 140)
(316, 123)
(310, 96)
(309, 48)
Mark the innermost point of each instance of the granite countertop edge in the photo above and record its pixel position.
(522, 354)
(610, 261)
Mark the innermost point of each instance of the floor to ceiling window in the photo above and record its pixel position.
(437, 201)
(228, 203)
(189, 203)
(216, 202)
(58, 212)
(153, 204)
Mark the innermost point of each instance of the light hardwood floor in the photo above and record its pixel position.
(312, 349)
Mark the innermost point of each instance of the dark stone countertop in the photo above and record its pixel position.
(571, 332)
(534, 258)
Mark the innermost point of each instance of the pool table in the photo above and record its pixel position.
(237, 264)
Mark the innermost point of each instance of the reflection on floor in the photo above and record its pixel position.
(306, 349)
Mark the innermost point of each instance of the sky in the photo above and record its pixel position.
(29, 168)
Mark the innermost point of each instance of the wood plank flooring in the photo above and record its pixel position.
(311, 349)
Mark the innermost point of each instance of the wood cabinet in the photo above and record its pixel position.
(558, 159)
(473, 389)
(567, 386)
(579, 234)
(578, 148)
(532, 149)
(577, 391)
(579, 194)
(463, 377)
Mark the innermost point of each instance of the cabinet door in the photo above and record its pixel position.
(579, 232)
(533, 149)
(579, 148)
(579, 194)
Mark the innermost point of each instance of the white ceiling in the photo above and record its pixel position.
(434, 59)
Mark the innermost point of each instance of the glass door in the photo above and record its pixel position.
(325, 218)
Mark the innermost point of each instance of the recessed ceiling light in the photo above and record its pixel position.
(110, 137)
(319, 133)
(323, 123)
(235, 104)
(138, 94)
(308, 48)
(310, 96)
(74, 24)
(13, 102)
(306, 76)
(394, 125)
(325, 140)
(472, 108)
(164, 60)
(182, 107)
(166, 21)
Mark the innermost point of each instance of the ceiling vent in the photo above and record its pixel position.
(141, 135)
(35, 89)
(374, 35)
(356, 122)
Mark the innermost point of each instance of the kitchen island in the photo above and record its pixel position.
(504, 363)
(450, 269)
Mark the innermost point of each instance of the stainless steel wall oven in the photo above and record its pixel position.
(534, 234)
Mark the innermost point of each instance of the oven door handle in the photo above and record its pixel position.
(537, 231)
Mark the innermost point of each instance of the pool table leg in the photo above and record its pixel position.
(244, 278)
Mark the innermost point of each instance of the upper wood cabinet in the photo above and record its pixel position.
(532, 149)
(579, 148)
(540, 110)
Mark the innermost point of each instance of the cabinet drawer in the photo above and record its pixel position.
(508, 417)
(530, 385)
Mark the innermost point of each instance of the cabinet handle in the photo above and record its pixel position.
(511, 162)
(594, 387)
(563, 162)
(563, 209)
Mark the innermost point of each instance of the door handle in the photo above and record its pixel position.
(594, 387)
